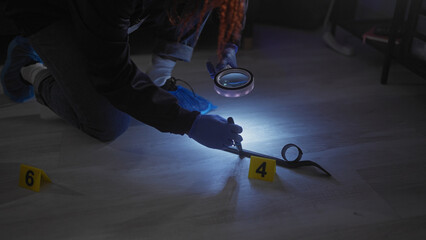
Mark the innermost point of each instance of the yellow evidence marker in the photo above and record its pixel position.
(32, 178)
(262, 168)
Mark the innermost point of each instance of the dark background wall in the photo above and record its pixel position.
(304, 14)
(375, 8)
(300, 14)
(7, 30)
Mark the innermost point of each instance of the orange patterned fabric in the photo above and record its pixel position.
(231, 15)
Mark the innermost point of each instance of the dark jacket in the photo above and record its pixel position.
(102, 29)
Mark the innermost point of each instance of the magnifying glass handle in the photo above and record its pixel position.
(237, 144)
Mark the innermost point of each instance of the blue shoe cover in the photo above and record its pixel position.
(188, 101)
(19, 54)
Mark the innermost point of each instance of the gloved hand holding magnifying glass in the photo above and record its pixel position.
(230, 81)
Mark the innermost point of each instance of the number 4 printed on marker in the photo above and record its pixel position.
(262, 168)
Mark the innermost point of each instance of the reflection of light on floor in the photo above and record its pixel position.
(260, 130)
(270, 120)
(252, 130)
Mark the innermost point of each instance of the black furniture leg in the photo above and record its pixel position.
(398, 18)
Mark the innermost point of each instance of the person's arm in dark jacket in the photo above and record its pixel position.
(102, 26)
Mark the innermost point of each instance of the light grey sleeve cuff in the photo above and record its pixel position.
(40, 77)
(174, 50)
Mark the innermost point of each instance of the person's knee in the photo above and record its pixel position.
(107, 132)
(110, 134)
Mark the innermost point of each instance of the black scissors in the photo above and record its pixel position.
(280, 162)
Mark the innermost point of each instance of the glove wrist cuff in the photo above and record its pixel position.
(194, 126)
(231, 46)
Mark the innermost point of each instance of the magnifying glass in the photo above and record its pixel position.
(234, 82)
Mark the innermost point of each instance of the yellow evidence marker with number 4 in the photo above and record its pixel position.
(32, 178)
(262, 168)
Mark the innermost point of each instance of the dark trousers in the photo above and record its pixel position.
(67, 90)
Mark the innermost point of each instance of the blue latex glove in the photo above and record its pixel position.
(229, 59)
(213, 131)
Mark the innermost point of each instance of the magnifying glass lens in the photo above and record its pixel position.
(233, 80)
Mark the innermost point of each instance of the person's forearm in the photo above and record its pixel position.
(104, 41)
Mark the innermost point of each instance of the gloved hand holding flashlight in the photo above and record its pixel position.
(213, 131)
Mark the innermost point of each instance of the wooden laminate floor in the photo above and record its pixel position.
(151, 185)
